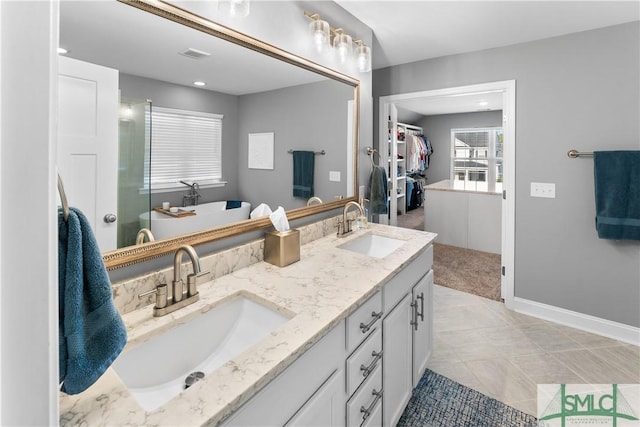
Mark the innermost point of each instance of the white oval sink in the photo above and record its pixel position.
(373, 245)
(155, 371)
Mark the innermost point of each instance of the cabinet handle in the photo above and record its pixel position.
(414, 315)
(366, 370)
(365, 328)
(367, 411)
(421, 298)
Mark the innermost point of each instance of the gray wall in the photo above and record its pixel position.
(438, 129)
(576, 91)
(163, 94)
(309, 117)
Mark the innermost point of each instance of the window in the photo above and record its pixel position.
(476, 159)
(185, 145)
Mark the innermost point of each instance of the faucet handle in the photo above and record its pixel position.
(193, 280)
(161, 295)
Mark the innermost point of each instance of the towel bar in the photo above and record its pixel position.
(322, 153)
(63, 198)
(573, 154)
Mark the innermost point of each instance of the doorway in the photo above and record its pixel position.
(466, 99)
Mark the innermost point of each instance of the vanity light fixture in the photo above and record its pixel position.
(363, 56)
(320, 32)
(325, 36)
(199, 83)
(343, 44)
(235, 8)
(483, 104)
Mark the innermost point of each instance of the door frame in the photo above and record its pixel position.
(508, 89)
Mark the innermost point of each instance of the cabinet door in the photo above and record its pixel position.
(326, 407)
(423, 329)
(396, 364)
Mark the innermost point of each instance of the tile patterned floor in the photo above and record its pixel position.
(504, 355)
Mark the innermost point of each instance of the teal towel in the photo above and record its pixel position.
(90, 330)
(617, 188)
(378, 191)
(303, 164)
(233, 204)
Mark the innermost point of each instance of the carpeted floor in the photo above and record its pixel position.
(438, 401)
(412, 219)
(467, 270)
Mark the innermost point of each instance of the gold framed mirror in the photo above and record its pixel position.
(134, 254)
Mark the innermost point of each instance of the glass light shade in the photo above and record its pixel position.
(343, 44)
(235, 8)
(363, 58)
(320, 34)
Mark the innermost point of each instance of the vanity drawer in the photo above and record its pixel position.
(366, 401)
(363, 361)
(375, 419)
(363, 321)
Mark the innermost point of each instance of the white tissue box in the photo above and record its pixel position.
(282, 248)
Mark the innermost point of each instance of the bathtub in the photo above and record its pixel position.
(208, 215)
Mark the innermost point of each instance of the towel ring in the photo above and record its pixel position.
(371, 152)
(63, 198)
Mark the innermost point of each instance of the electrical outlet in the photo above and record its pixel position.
(334, 176)
(543, 189)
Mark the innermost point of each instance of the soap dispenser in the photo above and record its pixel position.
(362, 221)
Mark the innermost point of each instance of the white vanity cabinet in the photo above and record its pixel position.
(407, 330)
(309, 392)
(363, 372)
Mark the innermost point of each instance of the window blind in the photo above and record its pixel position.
(185, 145)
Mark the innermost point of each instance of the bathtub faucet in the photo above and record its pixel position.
(192, 196)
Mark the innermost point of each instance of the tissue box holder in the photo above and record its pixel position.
(282, 248)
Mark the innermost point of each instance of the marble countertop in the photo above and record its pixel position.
(458, 186)
(317, 292)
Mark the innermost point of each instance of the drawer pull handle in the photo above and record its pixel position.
(367, 411)
(366, 370)
(365, 328)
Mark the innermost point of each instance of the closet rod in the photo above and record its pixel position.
(321, 153)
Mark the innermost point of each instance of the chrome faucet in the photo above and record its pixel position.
(193, 194)
(181, 296)
(344, 225)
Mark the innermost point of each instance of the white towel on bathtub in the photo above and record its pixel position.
(261, 210)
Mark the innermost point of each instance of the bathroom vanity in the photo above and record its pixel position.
(350, 333)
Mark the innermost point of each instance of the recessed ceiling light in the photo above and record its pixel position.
(199, 83)
(62, 51)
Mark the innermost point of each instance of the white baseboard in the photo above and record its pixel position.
(584, 322)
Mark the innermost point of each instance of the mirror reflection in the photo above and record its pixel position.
(208, 154)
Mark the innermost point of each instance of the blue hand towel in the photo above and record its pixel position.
(378, 191)
(303, 164)
(617, 188)
(90, 329)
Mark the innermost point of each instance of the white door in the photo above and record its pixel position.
(423, 327)
(396, 362)
(88, 143)
(388, 151)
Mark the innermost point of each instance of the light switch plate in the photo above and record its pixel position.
(334, 176)
(543, 189)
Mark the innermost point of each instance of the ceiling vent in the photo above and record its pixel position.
(195, 53)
